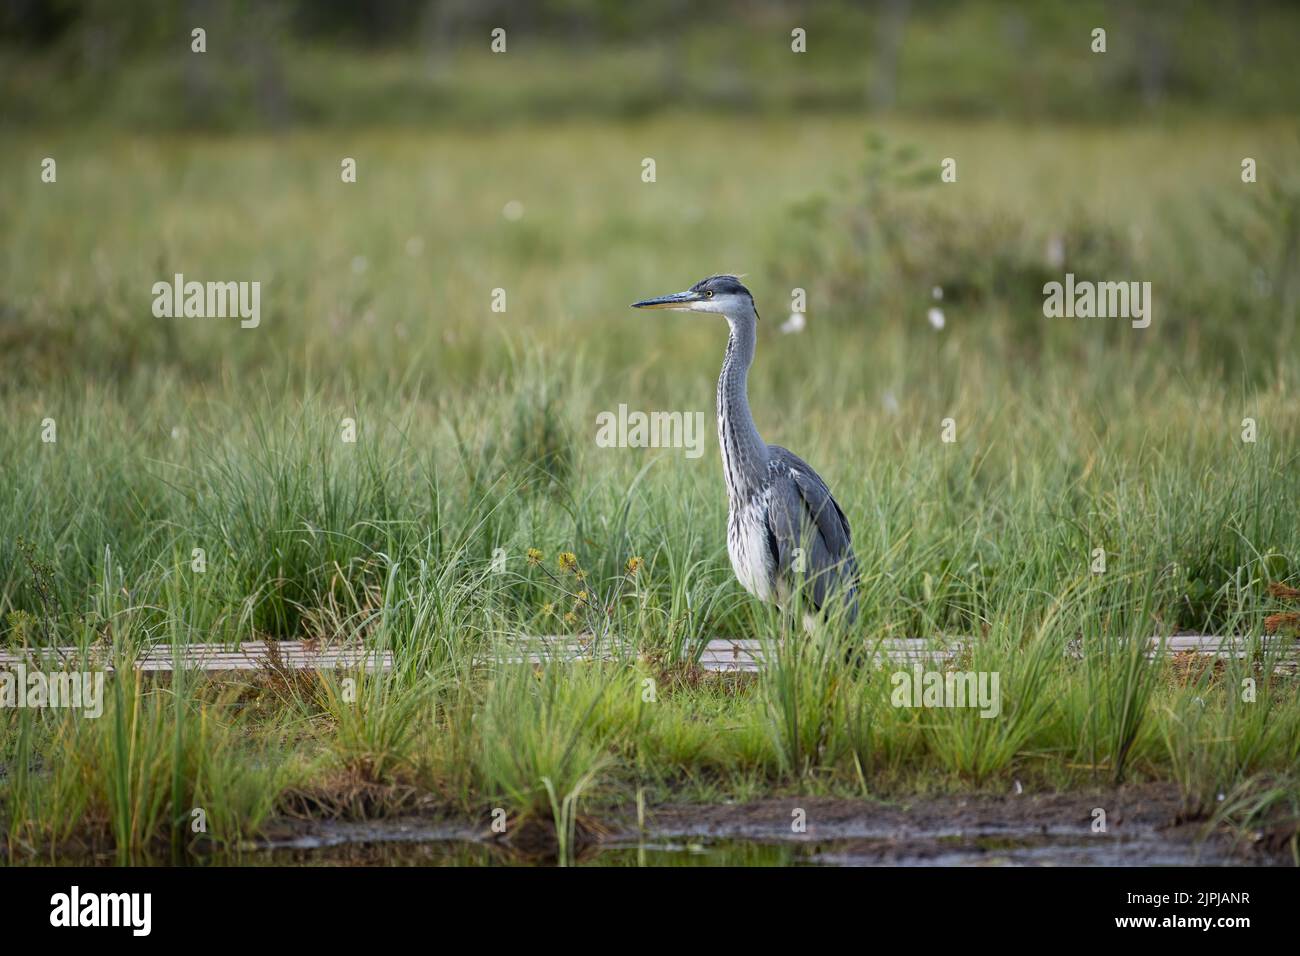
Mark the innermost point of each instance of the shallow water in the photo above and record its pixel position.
(742, 839)
(405, 844)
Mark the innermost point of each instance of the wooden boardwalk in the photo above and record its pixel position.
(745, 655)
(248, 656)
(721, 655)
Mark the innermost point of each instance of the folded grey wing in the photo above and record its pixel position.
(803, 514)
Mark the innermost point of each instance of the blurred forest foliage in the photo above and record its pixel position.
(278, 64)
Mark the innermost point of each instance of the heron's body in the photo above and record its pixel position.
(783, 526)
(749, 550)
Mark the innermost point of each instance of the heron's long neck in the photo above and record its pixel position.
(744, 454)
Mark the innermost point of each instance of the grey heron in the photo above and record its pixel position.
(783, 525)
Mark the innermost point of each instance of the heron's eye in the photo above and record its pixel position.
(709, 294)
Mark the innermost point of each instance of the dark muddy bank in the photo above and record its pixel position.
(1139, 826)
(1136, 826)
(1132, 826)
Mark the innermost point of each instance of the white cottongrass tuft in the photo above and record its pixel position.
(1056, 252)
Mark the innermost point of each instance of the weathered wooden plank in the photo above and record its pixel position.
(745, 655)
(218, 658)
(723, 655)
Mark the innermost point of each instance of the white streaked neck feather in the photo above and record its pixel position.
(744, 453)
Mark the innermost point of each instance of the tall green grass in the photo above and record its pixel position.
(475, 443)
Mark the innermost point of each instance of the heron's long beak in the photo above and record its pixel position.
(680, 301)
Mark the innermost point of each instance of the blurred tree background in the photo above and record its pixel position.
(283, 63)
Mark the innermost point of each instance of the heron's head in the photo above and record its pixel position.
(722, 294)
